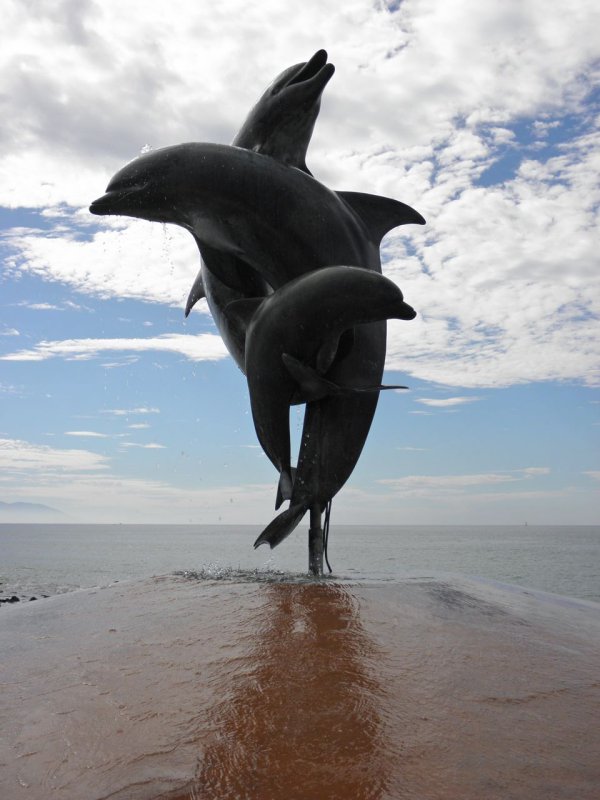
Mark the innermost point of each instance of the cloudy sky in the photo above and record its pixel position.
(483, 116)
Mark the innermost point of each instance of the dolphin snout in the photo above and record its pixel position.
(316, 72)
(102, 205)
(406, 312)
(117, 201)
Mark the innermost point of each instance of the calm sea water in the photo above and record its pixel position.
(37, 559)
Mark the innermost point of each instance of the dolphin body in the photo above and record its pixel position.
(292, 339)
(279, 222)
(280, 126)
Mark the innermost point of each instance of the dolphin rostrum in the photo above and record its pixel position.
(293, 337)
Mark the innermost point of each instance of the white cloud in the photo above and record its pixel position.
(90, 434)
(150, 446)
(10, 332)
(126, 412)
(139, 426)
(82, 484)
(505, 280)
(436, 485)
(445, 402)
(127, 259)
(594, 474)
(41, 306)
(447, 481)
(423, 101)
(7, 388)
(18, 458)
(202, 347)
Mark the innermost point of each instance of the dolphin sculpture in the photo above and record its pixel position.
(280, 125)
(292, 338)
(279, 223)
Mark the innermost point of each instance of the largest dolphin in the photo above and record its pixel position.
(279, 222)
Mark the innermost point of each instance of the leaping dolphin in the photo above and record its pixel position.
(293, 337)
(279, 222)
(279, 125)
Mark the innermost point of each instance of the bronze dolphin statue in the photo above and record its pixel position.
(280, 223)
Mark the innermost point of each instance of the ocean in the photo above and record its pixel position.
(38, 559)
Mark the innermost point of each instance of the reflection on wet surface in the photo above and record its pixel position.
(256, 688)
(301, 721)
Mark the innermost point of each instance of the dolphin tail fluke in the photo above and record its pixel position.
(283, 524)
(285, 485)
(196, 293)
(314, 387)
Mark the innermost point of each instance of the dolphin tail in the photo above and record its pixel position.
(285, 486)
(281, 526)
(314, 387)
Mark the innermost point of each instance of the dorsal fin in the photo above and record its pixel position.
(243, 310)
(380, 214)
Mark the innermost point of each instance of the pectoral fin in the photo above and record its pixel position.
(196, 293)
(313, 386)
(285, 486)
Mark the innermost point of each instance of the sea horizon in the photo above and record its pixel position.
(49, 558)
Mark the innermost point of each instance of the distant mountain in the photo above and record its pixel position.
(29, 512)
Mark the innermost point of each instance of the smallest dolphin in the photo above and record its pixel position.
(293, 338)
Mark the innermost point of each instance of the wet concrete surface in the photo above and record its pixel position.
(178, 688)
